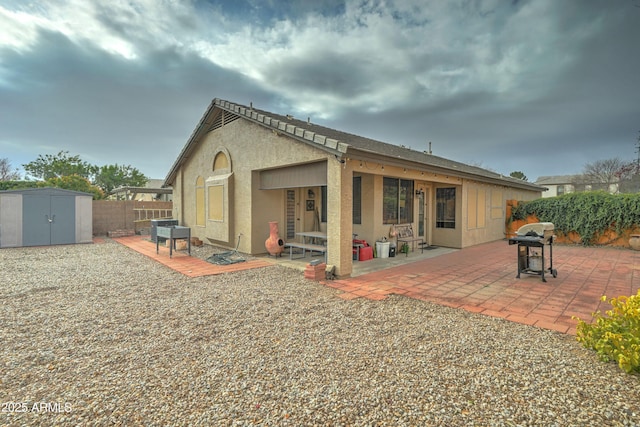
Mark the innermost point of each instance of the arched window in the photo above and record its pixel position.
(221, 162)
(217, 194)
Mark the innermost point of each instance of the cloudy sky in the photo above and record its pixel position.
(541, 86)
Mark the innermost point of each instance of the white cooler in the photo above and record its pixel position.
(382, 249)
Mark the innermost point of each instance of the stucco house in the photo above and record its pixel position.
(242, 168)
(557, 185)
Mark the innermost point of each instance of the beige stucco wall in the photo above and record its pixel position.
(340, 217)
(370, 214)
(250, 148)
(373, 227)
(494, 206)
(465, 234)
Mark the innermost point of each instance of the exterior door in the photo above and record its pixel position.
(423, 215)
(63, 227)
(36, 211)
(48, 220)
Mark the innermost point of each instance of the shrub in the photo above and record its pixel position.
(617, 335)
(17, 185)
(590, 214)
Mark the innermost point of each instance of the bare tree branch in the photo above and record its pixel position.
(7, 173)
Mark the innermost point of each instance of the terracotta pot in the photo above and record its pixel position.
(634, 242)
(274, 244)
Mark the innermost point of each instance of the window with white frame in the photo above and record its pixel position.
(397, 201)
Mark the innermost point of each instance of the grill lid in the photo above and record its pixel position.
(540, 228)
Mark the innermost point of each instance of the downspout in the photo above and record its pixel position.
(181, 213)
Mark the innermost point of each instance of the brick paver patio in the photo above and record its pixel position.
(182, 262)
(483, 279)
(479, 279)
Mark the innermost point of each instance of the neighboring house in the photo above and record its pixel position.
(563, 184)
(153, 191)
(242, 168)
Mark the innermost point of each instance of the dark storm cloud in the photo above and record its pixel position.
(108, 109)
(327, 72)
(538, 86)
(265, 11)
(548, 124)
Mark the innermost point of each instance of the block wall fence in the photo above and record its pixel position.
(126, 217)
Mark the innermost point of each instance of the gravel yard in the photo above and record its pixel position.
(101, 335)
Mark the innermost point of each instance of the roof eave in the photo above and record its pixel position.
(298, 133)
(333, 146)
(283, 127)
(189, 146)
(364, 155)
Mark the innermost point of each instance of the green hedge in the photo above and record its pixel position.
(70, 182)
(17, 185)
(590, 214)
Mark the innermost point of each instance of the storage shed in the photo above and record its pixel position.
(45, 216)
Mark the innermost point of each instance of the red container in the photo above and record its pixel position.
(366, 253)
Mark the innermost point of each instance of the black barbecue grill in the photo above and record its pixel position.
(531, 240)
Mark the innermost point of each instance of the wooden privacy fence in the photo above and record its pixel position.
(124, 217)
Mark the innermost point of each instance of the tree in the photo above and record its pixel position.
(63, 170)
(110, 177)
(6, 171)
(518, 175)
(75, 183)
(17, 185)
(59, 165)
(629, 182)
(629, 177)
(602, 174)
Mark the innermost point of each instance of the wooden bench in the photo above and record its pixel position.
(404, 234)
(305, 247)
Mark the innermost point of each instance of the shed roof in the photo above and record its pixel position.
(47, 190)
(342, 145)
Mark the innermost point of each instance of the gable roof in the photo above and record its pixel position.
(341, 144)
(577, 179)
(556, 179)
